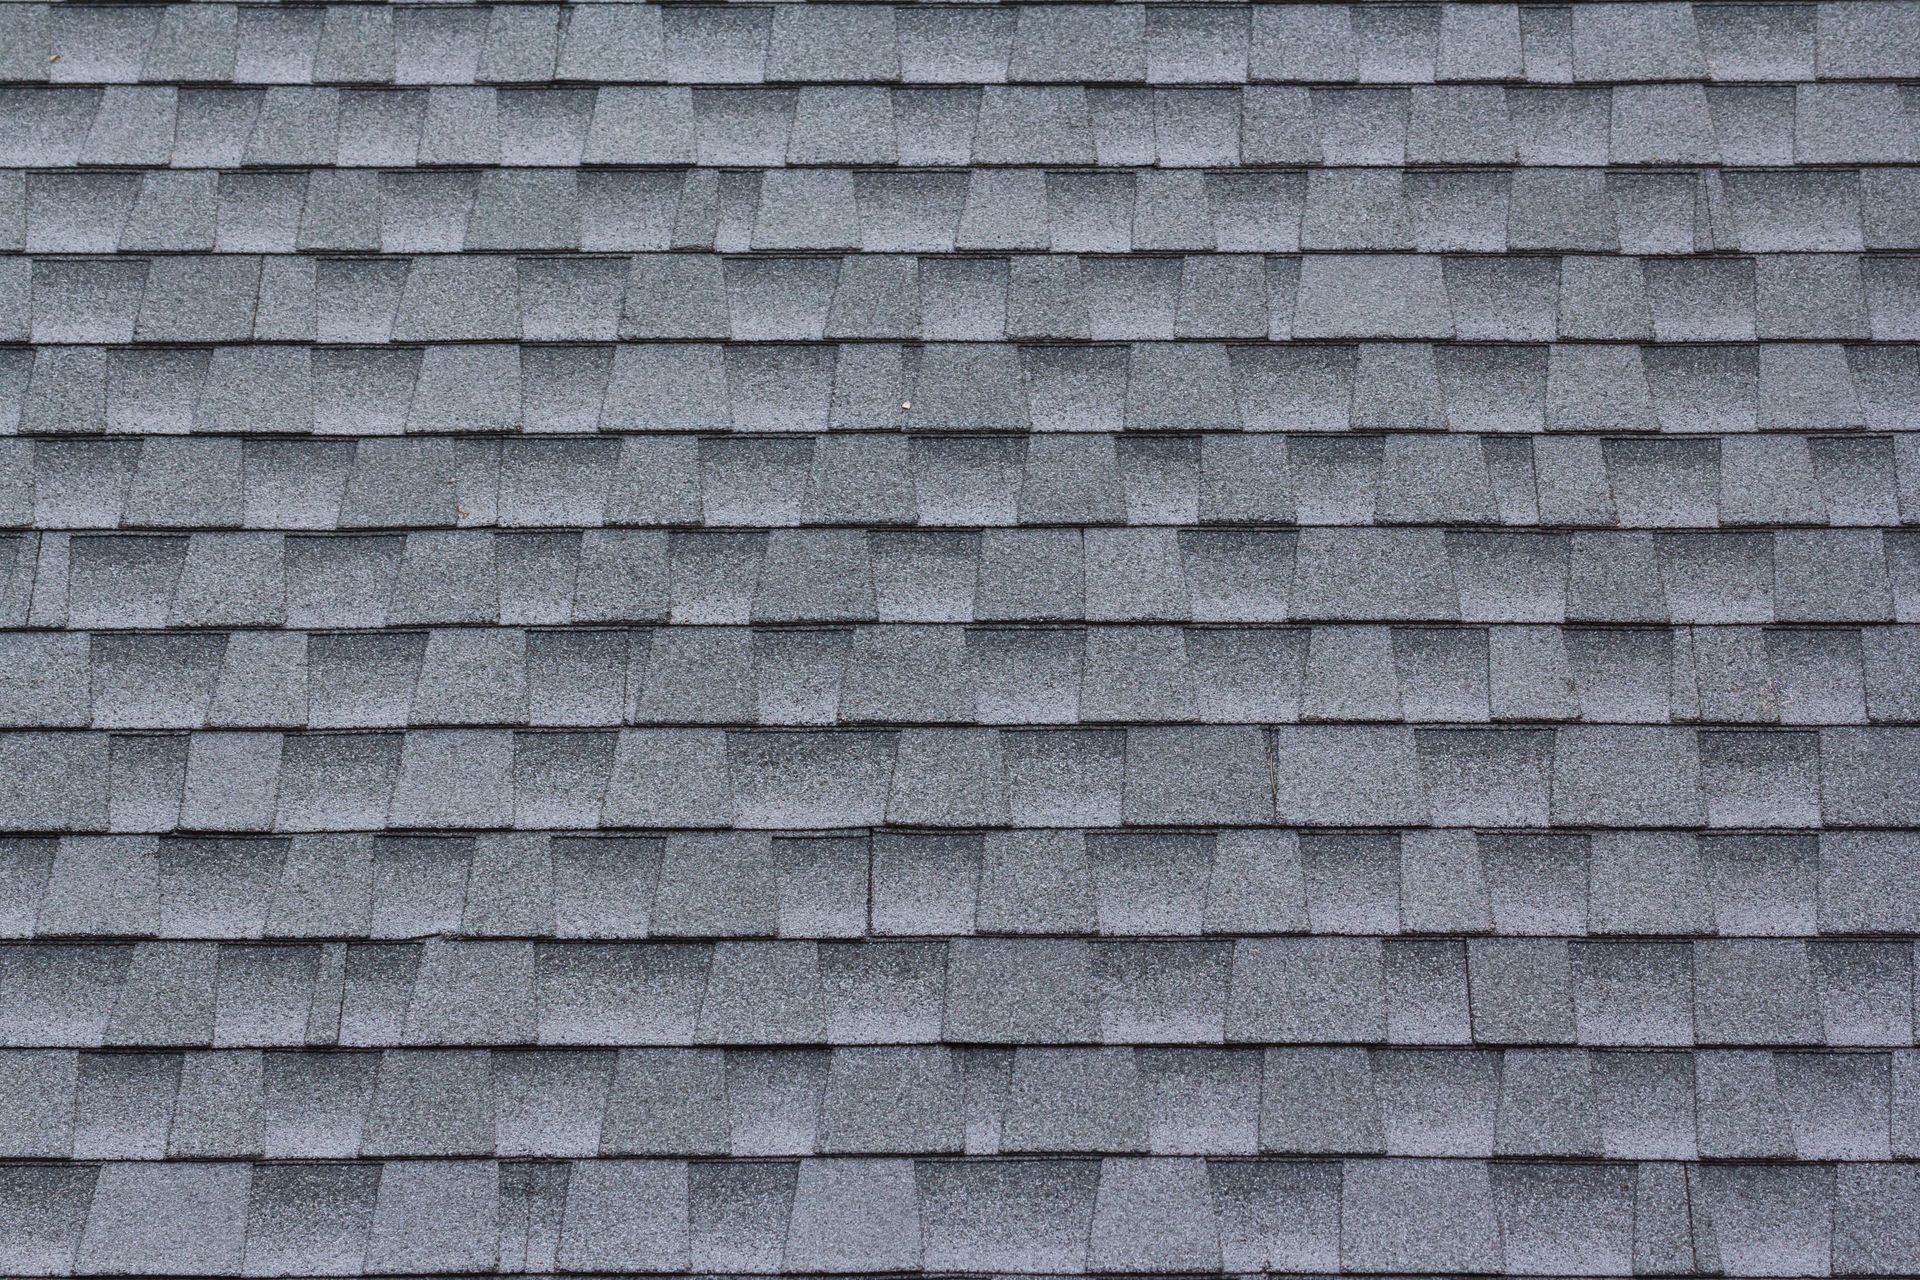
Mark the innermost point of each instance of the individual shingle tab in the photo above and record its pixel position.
(1001, 991)
(310, 1216)
(1292, 1123)
(1308, 990)
(200, 1226)
(1418, 1213)
(1767, 1217)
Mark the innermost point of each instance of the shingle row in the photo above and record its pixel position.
(234, 579)
(1315, 775)
(905, 884)
(992, 991)
(893, 1216)
(1319, 297)
(1683, 124)
(932, 1100)
(955, 674)
(959, 388)
(270, 388)
(979, 481)
(1157, 43)
(1021, 210)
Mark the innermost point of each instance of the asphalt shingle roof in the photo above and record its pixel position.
(1007, 639)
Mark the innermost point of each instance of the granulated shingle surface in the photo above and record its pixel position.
(1026, 638)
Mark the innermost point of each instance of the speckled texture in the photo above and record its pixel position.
(1001, 639)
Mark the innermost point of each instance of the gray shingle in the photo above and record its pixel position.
(1199, 1101)
(181, 1092)
(774, 1100)
(1064, 776)
(1861, 992)
(1154, 1214)
(1372, 297)
(1174, 992)
(201, 1226)
(1664, 213)
(1004, 991)
(1239, 576)
(1361, 126)
(1745, 43)
(823, 779)
(878, 993)
(1837, 1102)
(1860, 877)
(123, 1105)
(105, 47)
(45, 678)
(1352, 883)
(992, 1214)
(1371, 575)
(1437, 1102)
(1871, 1231)
(1277, 1213)
(310, 1217)
(739, 1213)
(973, 47)
(709, 47)
(45, 1215)
(444, 1010)
(1414, 1213)
(1163, 787)
(54, 781)
(1756, 778)
(570, 1090)
(508, 890)
(218, 1109)
(1565, 1217)
(1441, 883)
(1548, 1103)
(665, 1100)
(332, 783)
(1520, 990)
(1311, 989)
(41, 1101)
(884, 1099)
(1628, 776)
(762, 993)
(432, 1104)
(1034, 882)
(1427, 992)
(1073, 1100)
(1767, 1217)
(1633, 993)
(925, 884)
(376, 983)
(621, 1210)
(217, 888)
(715, 885)
(1861, 775)
(519, 46)
(1150, 883)
(264, 996)
(435, 1213)
(1375, 778)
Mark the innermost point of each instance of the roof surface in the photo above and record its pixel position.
(973, 640)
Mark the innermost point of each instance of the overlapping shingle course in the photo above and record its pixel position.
(929, 639)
